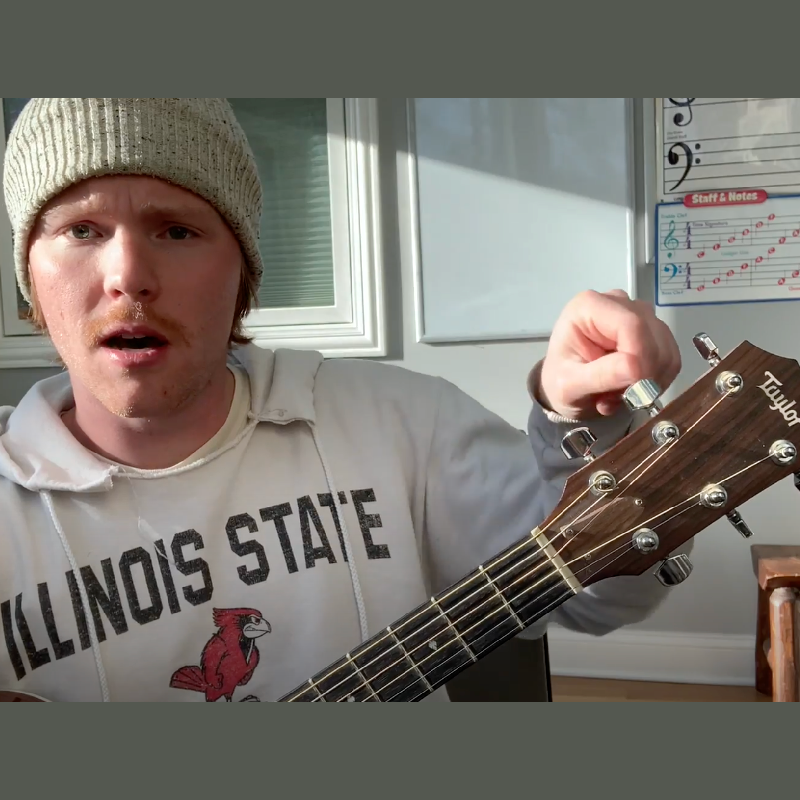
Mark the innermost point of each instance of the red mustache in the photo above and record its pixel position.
(97, 330)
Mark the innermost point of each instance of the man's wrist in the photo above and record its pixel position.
(535, 386)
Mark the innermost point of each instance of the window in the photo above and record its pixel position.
(320, 237)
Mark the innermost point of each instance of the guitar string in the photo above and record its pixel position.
(384, 636)
(545, 611)
(630, 530)
(588, 509)
(658, 455)
(554, 573)
(625, 548)
(525, 575)
(522, 544)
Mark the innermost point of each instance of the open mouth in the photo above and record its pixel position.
(134, 342)
(134, 338)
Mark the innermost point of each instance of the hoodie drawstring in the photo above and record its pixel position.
(101, 670)
(351, 562)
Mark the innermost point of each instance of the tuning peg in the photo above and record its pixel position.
(578, 444)
(715, 496)
(735, 518)
(707, 349)
(674, 570)
(643, 395)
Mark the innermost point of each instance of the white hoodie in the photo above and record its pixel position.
(237, 576)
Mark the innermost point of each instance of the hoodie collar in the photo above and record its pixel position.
(38, 452)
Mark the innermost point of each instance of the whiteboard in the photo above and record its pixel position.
(519, 204)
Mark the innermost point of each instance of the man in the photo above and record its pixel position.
(186, 516)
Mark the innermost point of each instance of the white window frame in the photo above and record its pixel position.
(354, 326)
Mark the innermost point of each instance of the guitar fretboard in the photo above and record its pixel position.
(429, 646)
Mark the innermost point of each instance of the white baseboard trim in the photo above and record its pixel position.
(654, 656)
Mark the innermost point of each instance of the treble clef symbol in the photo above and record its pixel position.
(670, 242)
(686, 103)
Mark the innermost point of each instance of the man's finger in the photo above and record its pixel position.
(610, 374)
(620, 293)
(614, 323)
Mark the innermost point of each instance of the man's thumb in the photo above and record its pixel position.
(610, 374)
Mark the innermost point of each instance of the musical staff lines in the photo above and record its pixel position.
(728, 254)
(728, 143)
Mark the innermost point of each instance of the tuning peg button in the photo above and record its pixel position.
(578, 444)
(643, 395)
(707, 349)
(674, 570)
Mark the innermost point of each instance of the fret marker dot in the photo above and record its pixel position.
(350, 699)
(432, 645)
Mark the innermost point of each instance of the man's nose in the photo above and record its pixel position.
(129, 268)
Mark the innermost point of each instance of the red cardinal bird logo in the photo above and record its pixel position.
(229, 658)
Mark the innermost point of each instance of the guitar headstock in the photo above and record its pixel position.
(728, 437)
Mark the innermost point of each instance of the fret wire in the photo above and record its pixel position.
(502, 597)
(538, 553)
(409, 659)
(546, 610)
(435, 603)
(474, 625)
(319, 696)
(521, 593)
(466, 647)
(363, 677)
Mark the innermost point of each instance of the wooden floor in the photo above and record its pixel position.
(591, 690)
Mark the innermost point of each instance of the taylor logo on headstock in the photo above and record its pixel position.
(780, 403)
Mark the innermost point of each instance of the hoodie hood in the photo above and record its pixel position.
(38, 453)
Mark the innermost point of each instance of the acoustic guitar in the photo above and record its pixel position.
(727, 438)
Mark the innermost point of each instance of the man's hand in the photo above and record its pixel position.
(601, 344)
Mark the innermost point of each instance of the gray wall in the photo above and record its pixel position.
(15, 382)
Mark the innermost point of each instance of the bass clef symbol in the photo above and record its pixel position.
(673, 157)
(679, 118)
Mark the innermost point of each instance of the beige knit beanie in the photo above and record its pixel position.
(194, 143)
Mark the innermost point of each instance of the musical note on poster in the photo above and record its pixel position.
(728, 247)
(714, 143)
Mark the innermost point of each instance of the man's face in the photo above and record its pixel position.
(137, 281)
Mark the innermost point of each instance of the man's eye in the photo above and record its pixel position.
(179, 232)
(81, 231)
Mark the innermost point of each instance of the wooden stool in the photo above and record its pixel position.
(777, 568)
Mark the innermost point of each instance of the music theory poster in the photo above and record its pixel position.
(716, 143)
